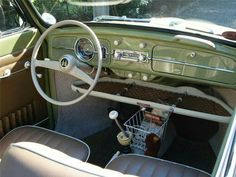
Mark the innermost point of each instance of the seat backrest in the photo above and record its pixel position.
(69, 145)
(32, 159)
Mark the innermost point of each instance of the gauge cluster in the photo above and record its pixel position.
(84, 49)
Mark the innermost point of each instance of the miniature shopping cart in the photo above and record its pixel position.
(143, 123)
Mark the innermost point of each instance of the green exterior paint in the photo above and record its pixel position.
(158, 45)
(21, 40)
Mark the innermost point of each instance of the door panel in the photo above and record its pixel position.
(20, 103)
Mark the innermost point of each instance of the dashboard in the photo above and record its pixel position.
(144, 55)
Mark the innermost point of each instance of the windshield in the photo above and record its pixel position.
(220, 12)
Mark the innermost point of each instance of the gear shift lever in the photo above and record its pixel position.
(124, 137)
(113, 115)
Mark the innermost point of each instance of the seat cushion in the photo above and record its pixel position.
(33, 159)
(144, 166)
(68, 145)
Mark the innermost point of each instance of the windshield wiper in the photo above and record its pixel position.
(123, 18)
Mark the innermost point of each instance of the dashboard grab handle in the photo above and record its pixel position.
(191, 39)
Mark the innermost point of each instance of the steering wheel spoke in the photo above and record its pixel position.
(78, 73)
(47, 63)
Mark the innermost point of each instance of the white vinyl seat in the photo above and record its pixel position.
(66, 144)
(144, 166)
(44, 158)
(32, 159)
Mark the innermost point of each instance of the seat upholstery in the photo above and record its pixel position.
(69, 145)
(33, 159)
(144, 166)
(42, 153)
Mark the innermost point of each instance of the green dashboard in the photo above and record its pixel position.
(144, 54)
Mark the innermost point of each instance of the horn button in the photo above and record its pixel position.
(67, 62)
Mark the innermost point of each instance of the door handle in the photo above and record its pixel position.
(6, 74)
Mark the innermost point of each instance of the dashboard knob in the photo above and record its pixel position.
(130, 75)
(117, 55)
(142, 58)
(145, 78)
(192, 55)
(142, 45)
(117, 42)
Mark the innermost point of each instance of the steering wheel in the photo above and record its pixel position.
(67, 64)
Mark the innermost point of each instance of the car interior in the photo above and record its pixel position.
(115, 96)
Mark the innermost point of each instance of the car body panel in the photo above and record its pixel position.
(20, 103)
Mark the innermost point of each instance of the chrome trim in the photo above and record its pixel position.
(123, 57)
(77, 55)
(27, 64)
(194, 65)
(221, 169)
(230, 168)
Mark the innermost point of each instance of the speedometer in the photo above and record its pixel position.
(84, 49)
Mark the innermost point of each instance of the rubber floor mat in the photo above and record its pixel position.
(196, 154)
(103, 146)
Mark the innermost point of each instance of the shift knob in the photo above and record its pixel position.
(113, 115)
(123, 137)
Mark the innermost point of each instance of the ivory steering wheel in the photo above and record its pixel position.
(67, 64)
